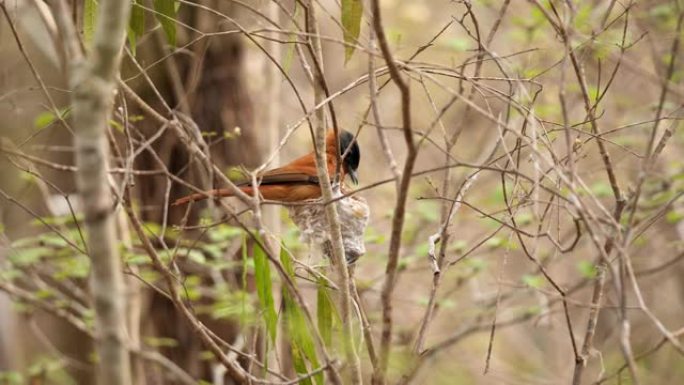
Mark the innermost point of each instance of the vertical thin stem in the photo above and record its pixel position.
(327, 195)
(93, 81)
(380, 373)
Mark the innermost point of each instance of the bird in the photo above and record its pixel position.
(297, 181)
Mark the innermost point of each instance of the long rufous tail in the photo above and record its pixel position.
(217, 193)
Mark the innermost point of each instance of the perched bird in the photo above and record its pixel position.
(298, 180)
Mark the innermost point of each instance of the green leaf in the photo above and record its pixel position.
(46, 118)
(73, 266)
(372, 235)
(235, 174)
(245, 266)
(10, 274)
(29, 256)
(24, 242)
(136, 26)
(495, 242)
(244, 263)
(524, 218)
(118, 126)
(587, 269)
(191, 288)
(324, 311)
(149, 275)
(459, 44)
(233, 305)
(166, 14)
(662, 11)
(136, 259)
(286, 260)
(533, 281)
(582, 20)
(674, 216)
(532, 310)
(429, 210)
(53, 239)
(476, 264)
(11, 378)
(299, 364)
(289, 54)
(192, 254)
(422, 249)
(89, 19)
(223, 232)
(160, 342)
(262, 276)
(601, 189)
(458, 245)
(302, 340)
(352, 11)
(44, 294)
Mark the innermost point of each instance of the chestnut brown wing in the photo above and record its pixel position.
(282, 177)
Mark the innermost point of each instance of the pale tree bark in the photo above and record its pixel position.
(92, 81)
(337, 246)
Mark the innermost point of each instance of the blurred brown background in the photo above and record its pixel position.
(224, 82)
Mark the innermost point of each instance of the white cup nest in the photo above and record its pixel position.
(313, 225)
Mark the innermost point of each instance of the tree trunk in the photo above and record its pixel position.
(92, 81)
(215, 94)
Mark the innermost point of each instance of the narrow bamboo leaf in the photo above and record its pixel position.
(302, 340)
(289, 54)
(244, 279)
(244, 263)
(262, 275)
(89, 19)
(286, 260)
(166, 14)
(324, 312)
(299, 364)
(352, 10)
(136, 26)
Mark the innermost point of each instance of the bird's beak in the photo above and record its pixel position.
(354, 177)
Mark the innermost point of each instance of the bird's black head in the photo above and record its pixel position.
(351, 161)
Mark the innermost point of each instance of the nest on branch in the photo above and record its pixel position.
(313, 225)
